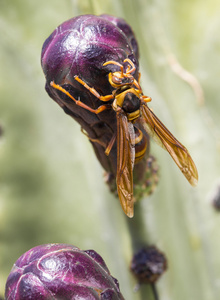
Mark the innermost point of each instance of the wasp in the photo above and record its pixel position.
(131, 106)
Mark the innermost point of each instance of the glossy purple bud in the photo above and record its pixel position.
(127, 30)
(60, 271)
(80, 46)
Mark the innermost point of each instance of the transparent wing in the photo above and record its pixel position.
(125, 162)
(155, 128)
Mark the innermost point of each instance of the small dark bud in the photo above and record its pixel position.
(148, 265)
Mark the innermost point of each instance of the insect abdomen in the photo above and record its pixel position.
(140, 144)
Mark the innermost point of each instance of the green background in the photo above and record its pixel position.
(51, 185)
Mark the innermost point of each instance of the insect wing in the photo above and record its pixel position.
(125, 163)
(155, 128)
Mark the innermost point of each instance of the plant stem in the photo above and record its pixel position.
(139, 239)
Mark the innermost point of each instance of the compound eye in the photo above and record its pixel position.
(116, 80)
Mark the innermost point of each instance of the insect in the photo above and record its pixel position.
(106, 98)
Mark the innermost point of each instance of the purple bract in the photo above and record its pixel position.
(60, 271)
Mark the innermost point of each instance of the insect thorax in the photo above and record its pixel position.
(129, 100)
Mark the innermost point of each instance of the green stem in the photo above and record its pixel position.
(139, 239)
(137, 230)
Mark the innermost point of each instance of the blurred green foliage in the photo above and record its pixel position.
(51, 186)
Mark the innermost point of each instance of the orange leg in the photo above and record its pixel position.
(139, 78)
(80, 103)
(130, 69)
(93, 91)
(136, 83)
(93, 140)
(110, 145)
(146, 99)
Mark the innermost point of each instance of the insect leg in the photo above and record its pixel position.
(139, 77)
(137, 85)
(80, 103)
(91, 139)
(110, 145)
(93, 91)
(108, 148)
(146, 99)
(131, 68)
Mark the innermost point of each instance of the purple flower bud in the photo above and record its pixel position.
(60, 271)
(120, 23)
(80, 46)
